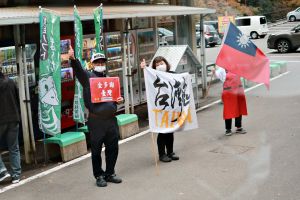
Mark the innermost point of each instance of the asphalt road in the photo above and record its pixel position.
(260, 165)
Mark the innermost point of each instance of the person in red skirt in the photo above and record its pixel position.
(234, 100)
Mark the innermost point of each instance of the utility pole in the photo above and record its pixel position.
(22, 95)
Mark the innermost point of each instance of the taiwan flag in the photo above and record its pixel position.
(241, 57)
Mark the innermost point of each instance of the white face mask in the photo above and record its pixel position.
(99, 68)
(162, 67)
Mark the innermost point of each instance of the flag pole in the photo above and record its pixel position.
(45, 150)
(154, 154)
(75, 84)
(44, 134)
(209, 84)
(100, 6)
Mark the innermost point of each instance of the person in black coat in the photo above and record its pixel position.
(102, 123)
(165, 141)
(9, 127)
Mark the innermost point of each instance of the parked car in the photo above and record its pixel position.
(166, 37)
(211, 35)
(285, 41)
(293, 15)
(215, 24)
(253, 26)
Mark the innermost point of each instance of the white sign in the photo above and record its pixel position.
(170, 101)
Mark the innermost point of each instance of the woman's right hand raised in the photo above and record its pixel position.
(143, 64)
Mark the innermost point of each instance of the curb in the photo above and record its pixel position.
(278, 23)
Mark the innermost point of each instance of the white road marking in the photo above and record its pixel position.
(295, 56)
(292, 61)
(64, 165)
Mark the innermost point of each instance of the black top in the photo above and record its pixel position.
(9, 105)
(104, 110)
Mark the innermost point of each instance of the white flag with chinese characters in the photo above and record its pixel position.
(170, 101)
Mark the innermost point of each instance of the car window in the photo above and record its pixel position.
(263, 20)
(298, 10)
(243, 22)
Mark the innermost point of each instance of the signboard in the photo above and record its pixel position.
(223, 22)
(50, 74)
(98, 21)
(105, 89)
(78, 103)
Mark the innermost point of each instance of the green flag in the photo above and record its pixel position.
(98, 20)
(78, 105)
(49, 74)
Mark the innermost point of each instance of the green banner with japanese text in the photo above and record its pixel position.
(49, 74)
(78, 105)
(98, 21)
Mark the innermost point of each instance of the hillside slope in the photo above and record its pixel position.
(273, 9)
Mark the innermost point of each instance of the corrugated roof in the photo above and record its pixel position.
(29, 15)
(174, 53)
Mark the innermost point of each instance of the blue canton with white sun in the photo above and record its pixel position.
(237, 40)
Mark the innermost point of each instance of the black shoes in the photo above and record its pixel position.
(168, 158)
(15, 179)
(228, 132)
(165, 158)
(241, 131)
(173, 156)
(113, 178)
(238, 130)
(101, 182)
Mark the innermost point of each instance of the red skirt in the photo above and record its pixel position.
(234, 103)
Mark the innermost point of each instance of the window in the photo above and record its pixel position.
(263, 20)
(243, 22)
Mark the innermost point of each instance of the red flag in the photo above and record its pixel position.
(241, 57)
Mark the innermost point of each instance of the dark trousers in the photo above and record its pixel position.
(165, 141)
(9, 134)
(238, 123)
(104, 132)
